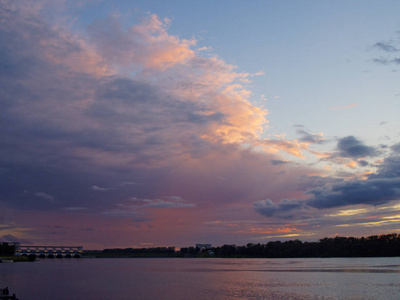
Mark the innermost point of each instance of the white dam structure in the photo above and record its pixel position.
(50, 251)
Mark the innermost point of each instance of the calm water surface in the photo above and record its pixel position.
(213, 278)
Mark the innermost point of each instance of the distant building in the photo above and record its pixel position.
(203, 246)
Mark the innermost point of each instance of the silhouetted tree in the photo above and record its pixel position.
(7, 249)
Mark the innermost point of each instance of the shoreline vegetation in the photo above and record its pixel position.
(133, 252)
(385, 245)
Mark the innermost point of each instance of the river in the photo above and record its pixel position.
(203, 278)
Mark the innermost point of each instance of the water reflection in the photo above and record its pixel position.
(333, 278)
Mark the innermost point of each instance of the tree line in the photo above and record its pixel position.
(155, 250)
(7, 249)
(371, 246)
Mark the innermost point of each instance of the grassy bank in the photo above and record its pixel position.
(15, 258)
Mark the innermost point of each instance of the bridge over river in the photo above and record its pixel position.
(50, 251)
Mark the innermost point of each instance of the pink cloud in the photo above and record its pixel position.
(344, 107)
(147, 45)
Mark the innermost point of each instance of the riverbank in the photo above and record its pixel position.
(4, 259)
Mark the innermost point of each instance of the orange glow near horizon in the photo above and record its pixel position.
(261, 230)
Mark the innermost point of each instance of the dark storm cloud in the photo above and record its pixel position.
(352, 147)
(371, 191)
(71, 134)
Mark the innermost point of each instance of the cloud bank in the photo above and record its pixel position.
(377, 188)
(130, 135)
(87, 113)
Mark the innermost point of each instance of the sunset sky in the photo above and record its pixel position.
(171, 123)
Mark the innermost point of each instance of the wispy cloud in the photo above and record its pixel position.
(99, 189)
(311, 138)
(389, 48)
(344, 107)
(167, 202)
(386, 46)
(44, 196)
